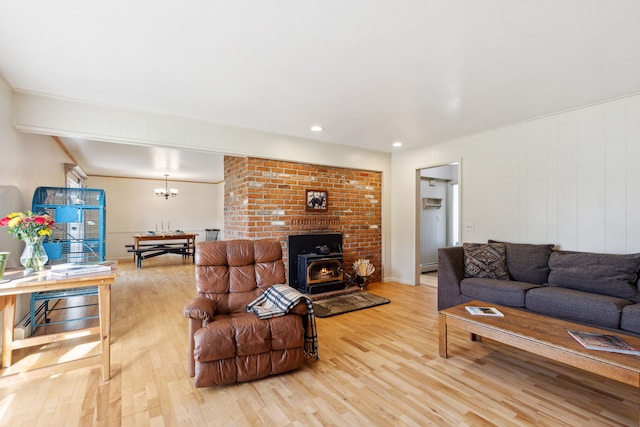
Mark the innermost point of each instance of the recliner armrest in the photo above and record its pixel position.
(201, 308)
(300, 308)
(200, 312)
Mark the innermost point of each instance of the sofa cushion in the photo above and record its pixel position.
(487, 260)
(630, 320)
(527, 262)
(504, 292)
(605, 274)
(579, 306)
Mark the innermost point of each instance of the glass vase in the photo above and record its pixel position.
(34, 257)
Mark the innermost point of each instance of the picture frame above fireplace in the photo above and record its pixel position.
(317, 200)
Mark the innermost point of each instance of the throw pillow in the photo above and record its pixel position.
(605, 274)
(487, 260)
(526, 262)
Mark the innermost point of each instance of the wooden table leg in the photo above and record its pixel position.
(8, 305)
(442, 335)
(104, 300)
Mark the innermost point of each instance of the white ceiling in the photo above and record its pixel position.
(371, 72)
(135, 161)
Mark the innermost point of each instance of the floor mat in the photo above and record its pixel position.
(347, 303)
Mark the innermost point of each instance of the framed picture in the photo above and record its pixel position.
(317, 200)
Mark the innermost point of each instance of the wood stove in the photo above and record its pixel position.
(312, 272)
(320, 273)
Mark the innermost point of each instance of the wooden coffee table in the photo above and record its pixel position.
(544, 336)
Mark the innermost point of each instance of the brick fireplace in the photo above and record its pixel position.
(266, 199)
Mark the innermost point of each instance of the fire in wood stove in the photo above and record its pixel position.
(324, 270)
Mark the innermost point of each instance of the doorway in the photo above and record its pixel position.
(438, 216)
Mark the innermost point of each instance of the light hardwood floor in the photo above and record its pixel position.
(378, 366)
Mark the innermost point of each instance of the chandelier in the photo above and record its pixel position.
(166, 192)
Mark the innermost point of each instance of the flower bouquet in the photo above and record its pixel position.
(33, 229)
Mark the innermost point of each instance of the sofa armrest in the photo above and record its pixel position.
(200, 308)
(450, 274)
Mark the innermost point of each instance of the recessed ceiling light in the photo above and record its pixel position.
(397, 144)
(316, 128)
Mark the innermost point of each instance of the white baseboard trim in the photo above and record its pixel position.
(392, 279)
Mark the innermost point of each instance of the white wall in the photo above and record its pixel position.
(27, 161)
(571, 179)
(132, 207)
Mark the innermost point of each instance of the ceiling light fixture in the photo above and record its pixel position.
(397, 144)
(316, 128)
(166, 191)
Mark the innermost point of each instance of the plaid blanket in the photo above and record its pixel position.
(278, 300)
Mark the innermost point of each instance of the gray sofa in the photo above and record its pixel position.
(589, 288)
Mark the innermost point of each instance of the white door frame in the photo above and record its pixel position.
(418, 207)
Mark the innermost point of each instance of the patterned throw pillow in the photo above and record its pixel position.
(487, 260)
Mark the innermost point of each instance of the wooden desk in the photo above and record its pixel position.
(37, 282)
(169, 242)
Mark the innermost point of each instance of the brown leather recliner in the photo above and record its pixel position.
(227, 344)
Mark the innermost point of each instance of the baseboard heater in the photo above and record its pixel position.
(21, 330)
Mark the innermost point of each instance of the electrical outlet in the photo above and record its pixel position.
(468, 227)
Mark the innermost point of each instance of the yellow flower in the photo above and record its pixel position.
(15, 220)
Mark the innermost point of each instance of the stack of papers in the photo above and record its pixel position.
(70, 269)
